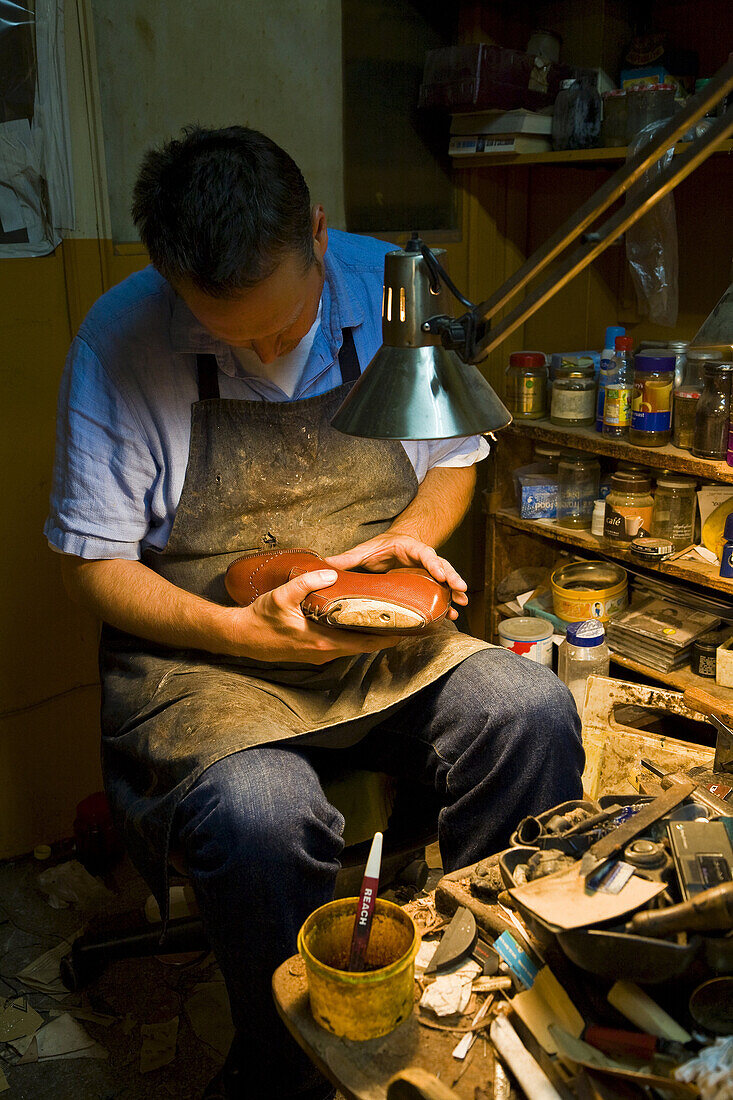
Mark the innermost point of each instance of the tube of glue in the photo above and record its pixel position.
(366, 905)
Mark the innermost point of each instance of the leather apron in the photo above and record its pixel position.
(260, 474)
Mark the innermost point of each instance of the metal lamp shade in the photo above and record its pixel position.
(414, 388)
(420, 393)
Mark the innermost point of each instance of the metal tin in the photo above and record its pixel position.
(651, 549)
(589, 590)
(529, 637)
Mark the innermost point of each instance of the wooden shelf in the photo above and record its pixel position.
(588, 439)
(695, 572)
(564, 156)
(699, 689)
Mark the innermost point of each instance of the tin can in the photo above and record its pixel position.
(529, 637)
(589, 590)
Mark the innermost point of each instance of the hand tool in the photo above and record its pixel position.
(708, 911)
(608, 845)
(458, 939)
(669, 780)
(366, 906)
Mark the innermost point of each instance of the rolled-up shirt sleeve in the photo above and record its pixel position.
(104, 471)
(424, 454)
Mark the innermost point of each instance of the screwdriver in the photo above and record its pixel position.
(708, 911)
(706, 798)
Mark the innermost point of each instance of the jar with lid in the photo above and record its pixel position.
(678, 348)
(673, 517)
(713, 412)
(648, 103)
(693, 377)
(577, 490)
(548, 453)
(574, 395)
(613, 128)
(584, 653)
(576, 118)
(651, 402)
(526, 385)
(629, 507)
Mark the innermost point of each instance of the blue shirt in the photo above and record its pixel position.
(124, 411)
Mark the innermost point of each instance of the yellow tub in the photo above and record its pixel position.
(359, 1004)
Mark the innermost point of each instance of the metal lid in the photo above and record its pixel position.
(589, 632)
(527, 359)
(676, 346)
(628, 481)
(651, 549)
(656, 360)
(525, 628)
(575, 370)
(676, 483)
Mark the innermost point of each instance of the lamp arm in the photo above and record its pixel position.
(470, 335)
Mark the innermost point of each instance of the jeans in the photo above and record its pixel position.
(495, 739)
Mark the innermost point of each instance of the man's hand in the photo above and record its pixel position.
(273, 627)
(393, 550)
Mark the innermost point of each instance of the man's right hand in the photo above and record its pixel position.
(273, 627)
(133, 598)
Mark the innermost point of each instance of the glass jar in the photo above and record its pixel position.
(693, 377)
(526, 385)
(651, 403)
(613, 128)
(576, 119)
(683, 421)
(673, 517)
(629, 507)
(574, 395)
(647, 103)
(578, 479)
(548, 453)
(584, 653)
(713, 413)
(678, 348)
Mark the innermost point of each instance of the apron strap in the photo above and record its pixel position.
(208, 377)
(208, 368)
(348, 359)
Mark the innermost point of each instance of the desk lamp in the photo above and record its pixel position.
(422, 383)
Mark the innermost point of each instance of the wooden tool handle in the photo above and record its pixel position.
(700, 700)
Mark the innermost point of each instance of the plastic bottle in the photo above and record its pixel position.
(617, 401)
(607, 355)
(584, 653)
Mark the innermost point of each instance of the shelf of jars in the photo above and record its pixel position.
(588, 439)
(563, 156)
(689, 568)
(701, 692)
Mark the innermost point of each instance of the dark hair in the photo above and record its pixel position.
(222, 208)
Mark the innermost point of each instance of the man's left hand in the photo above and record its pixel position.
(392, 551)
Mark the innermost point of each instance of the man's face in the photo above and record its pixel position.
(272, 317)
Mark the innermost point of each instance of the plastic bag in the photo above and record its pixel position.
(70, 884)
(651, 244)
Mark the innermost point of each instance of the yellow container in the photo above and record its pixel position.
(359, 1004)
(589, 590)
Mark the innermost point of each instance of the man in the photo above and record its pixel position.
(194, 424)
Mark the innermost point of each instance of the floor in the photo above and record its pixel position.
(134, 993)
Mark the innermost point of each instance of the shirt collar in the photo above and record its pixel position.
(340, 310)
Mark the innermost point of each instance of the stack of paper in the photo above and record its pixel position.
(500, 132)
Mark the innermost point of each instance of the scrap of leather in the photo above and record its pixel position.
(401, 601)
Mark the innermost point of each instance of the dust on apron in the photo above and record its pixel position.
(260, 474)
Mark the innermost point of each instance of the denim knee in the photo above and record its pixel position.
(258, 806)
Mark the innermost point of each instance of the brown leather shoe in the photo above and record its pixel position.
(402, 601)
